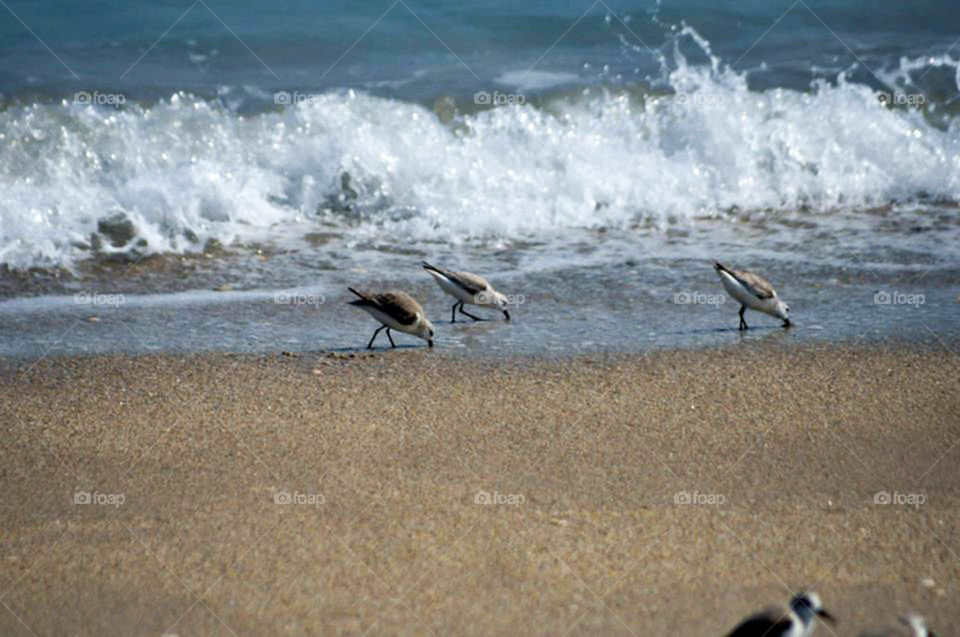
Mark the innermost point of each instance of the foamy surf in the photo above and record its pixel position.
(172, 176)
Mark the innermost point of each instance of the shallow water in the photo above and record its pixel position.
(614, 291)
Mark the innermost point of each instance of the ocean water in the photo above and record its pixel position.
(591, 158)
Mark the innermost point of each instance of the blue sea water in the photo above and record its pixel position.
(413, 49)
(166, 148)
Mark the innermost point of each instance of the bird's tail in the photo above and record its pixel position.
(362, 297)
(719, 267)
(427, 266)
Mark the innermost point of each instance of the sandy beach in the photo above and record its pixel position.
(408, 493)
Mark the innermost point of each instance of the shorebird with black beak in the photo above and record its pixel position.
(397, 311)
(798, 620)
(753, 291)
(467, 287)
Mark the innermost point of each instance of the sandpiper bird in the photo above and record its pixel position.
(916, 623)
(753, 291)
(397, 311)
(798, 620)
(467, 288)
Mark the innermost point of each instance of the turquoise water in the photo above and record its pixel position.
(419, 50)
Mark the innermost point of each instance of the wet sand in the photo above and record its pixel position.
(662, 494)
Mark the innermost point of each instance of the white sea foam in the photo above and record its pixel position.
(184, 170)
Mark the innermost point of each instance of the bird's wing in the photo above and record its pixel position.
(771, 622)
(755, 284)
(399, 305)
(472, 283)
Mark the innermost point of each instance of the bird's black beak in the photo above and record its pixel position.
(786, 322)
(506, 314)
(430, 342)
(826, 616)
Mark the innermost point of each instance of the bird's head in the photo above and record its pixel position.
(426, 331)
(783, 312)
(807, 606)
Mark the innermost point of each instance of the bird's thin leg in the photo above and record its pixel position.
(390, 337)
(462, 311)
(743, 323)
(373, 338)
(453, 312)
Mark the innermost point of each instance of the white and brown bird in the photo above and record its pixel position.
(753, 291)
(397, 311)
(916, 623)
(797, 620)
(467, 287)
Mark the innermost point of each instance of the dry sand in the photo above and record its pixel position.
(783, 449)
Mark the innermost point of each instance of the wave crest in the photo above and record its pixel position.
(172, 176)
